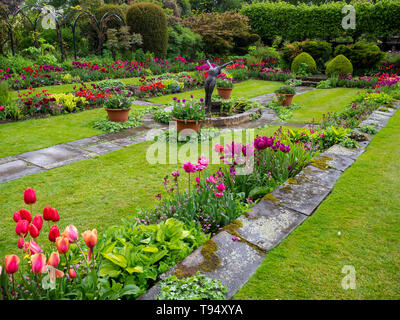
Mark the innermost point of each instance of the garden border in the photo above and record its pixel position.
(243, 245)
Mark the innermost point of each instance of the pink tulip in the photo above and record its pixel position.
(62, 245)
(72, 273)
(71, 233)
(188, 167)
(39, 263)
(30, 196)
(21, 243)
(17, 216)
(221, 187)
(34, 247)
(33, 231)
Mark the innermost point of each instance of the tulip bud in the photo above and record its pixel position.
(54, 259)
(33, 231)
(22, 228)
(71, 233)
(30, 196)
(62, 245)
(21, 243)
(38, 263)
(54, 215)
(38, 222)
(72, 273)
(11, 263)
(25, 215)
(17, 216)
(47, 211)
(54, 233)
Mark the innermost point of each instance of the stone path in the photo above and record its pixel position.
(18, 166)
(273, 218)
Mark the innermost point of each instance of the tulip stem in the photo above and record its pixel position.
(82, 252)
(13, 282)
(37, 283)
(66, 259)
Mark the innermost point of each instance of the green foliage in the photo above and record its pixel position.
(368, 129)
(223, 34)
(109, 126)
(339, 65)
(4, 94)
(363, 55)
(284, 113)
(197, 287)
(301, 22)
(319, 50)
(138, 254)
(110, 84)
(349, 143)
(325, 84)
(162, 116)
(261, 53)
(304, 58)
(149, 20)
(111, 22)
(183, 41)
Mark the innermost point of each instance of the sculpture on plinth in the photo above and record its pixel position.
(210, 82)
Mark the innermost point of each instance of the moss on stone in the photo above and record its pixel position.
(211, 260)
(286, 189)
(321, 162)
(293, 181)
(271, 198)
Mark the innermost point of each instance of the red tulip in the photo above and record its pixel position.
(25, 215)
(62, 245)
(72, 273)
(11, 263)
(22, 228)
(47, 211)
(71, 233)
(30, 196)
(21, 243)
(54, 215)
(33, 231)
(17, 216)
(54, 259)
(39, 263)
(38, 222)
(54, 233)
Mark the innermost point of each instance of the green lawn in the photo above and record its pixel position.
(321, 101)
(245, 89)
(35, 134)
(365, 208)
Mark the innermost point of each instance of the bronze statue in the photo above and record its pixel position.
(211, 80)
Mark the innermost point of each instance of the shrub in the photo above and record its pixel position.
(149, 20)
(111, 84)
(258, 54)
(339, 65)
(4, 93)
(301, 22)
(363, 55)
(183, 41)
(304, 58)
(223, 33)
(112, 22)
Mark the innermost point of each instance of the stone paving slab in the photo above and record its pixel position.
(344, 152)
(324, 177)
(84, 142)
(268, 224)
(104, 147)
(238, 263)
(8, 159)
(55, 156)
(16, 169)
(303, 197)
(337, 161)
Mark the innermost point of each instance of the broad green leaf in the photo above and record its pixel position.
(109, 271)
(150, 249)
(116, 258)
(137, 269)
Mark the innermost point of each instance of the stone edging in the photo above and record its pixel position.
(272, 219)
(231, 120)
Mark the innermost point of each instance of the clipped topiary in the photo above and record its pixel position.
(149, 20)
(304, 58)
(339, 65)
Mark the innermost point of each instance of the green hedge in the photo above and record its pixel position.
(339, 65)
(301, 22)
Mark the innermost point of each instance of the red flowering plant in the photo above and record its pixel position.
(56, 274)
(36, 76)
(37, 102)
(95, 96)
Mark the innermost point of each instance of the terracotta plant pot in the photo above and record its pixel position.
(287, 100)
(118, 115)
(224, 93)
(187, 124)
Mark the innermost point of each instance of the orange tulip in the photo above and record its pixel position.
(54, 259)
(62, 244)
(90, 238)
(39, 263)
(72, 273)
(11, 263)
